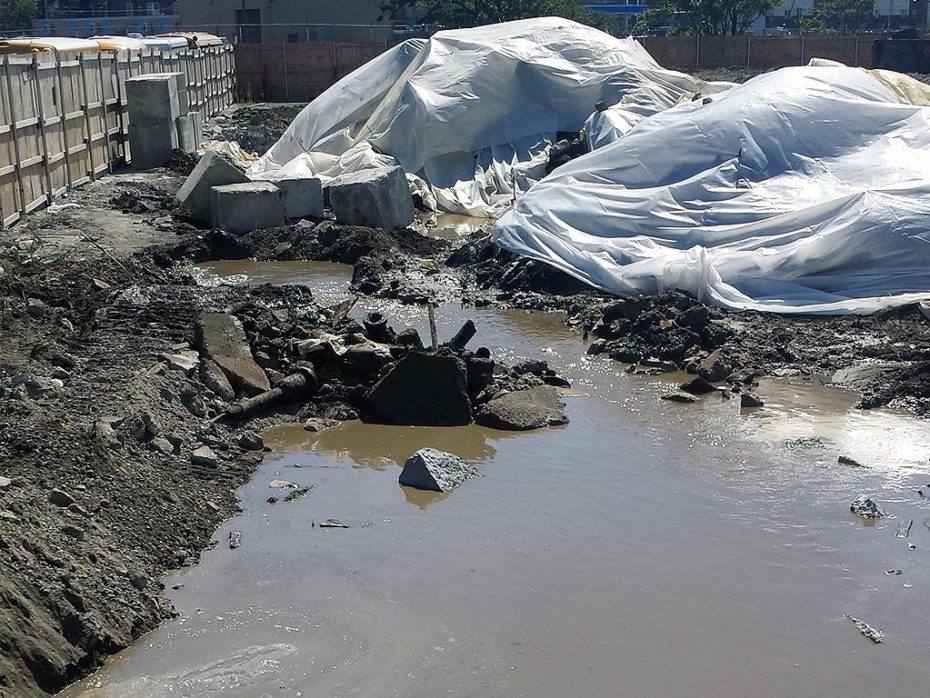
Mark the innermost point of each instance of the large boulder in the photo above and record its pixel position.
(522, 410)
(429, 469)
(221, 338)
(378, 198)
(423, 390)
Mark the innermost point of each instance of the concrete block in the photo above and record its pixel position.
(377, 197)
(184, 103)
(303, 198)
(190, 131)
(153, 99)
(213, 170)
(240, 208)
(151, 145)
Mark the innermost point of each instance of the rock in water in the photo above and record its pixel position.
(748, 400)
(866, 508)
(525, 409)
(424, 390)
(429, 469)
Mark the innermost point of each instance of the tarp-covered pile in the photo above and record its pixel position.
(470, 114)
(804, 190)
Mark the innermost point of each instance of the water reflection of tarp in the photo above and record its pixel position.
(805, 190)
(470, 114)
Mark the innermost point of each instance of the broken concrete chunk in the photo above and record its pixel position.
(430, 469)
(698, 386)
(221, 338)
(866, 508)
(377, 197)
(423, 390)
(242, 208)
(204, 456)
(5, 483)
(681, 397)
(213, 170)
(873, 634)
(282, 485)
(522, 410)
(303, 198)
(60, 498)
(316, 424)
(713, 369)
(184, 361)
(190, 131)
(250, 441)
(214, 378)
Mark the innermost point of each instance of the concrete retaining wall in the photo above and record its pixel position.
(64, 120)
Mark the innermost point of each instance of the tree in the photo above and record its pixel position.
(17, 15)
(838, 17)
(473, 13)
(706, 16)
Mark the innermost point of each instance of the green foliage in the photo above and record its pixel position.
(17, 15)
(473, 13)
(705, 16)
(838, 17)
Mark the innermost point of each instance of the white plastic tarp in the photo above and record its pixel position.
(806, 190)
(471, 113)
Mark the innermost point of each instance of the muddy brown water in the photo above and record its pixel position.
(645, 549)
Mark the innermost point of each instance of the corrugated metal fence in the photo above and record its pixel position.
(63, 117)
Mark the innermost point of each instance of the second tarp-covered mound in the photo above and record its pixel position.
(804, 190)
(470, 114)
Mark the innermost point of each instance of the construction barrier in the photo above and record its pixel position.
(64, 121)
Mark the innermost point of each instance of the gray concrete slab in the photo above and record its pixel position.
(240, 208)
(303, 198)
(213, 170)
(377, 197)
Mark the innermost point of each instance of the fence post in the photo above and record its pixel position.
(14, 130)
(287, 92)
(697, 51)
(748, 51)
(856, 55)
(120, 113)
(802, 50)
(63, 115)
(87, 124)
(50, 195)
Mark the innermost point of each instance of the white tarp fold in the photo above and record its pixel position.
(471, 113)
(805, 190)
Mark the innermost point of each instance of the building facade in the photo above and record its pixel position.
(287, 21)
(119, 17)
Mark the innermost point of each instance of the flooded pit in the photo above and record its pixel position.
(645, 549)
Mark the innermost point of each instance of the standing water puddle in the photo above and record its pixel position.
(645, 549)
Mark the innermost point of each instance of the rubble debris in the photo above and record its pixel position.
(904, 530)
(423, 390)
(846, 460)
(60, 498)
(681, 397)
(204, 456)
(235, 539)
(221, 338)
(866, 508)
(431, 469)
(873, 634)
(332, 523)
(748, 400)
(698, 386)
(523, 410)
(298, 385)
